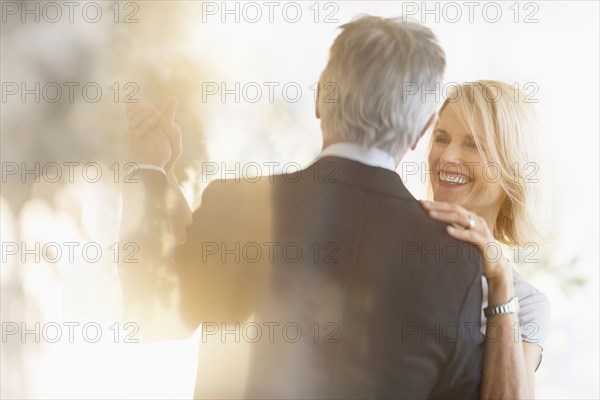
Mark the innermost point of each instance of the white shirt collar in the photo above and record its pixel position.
(374, 157)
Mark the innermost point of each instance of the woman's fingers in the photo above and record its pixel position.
(141, 117)
(148, 125)
(460, 219)
(132, 107)
(452, 214)
(467, 227)
(462, 224)
(131, 110)
(440, 206)
(465, 235)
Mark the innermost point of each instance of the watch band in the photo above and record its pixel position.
(507, 308)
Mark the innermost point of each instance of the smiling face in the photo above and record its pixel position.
(460, 175)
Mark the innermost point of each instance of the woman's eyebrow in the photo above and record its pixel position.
(440, 130)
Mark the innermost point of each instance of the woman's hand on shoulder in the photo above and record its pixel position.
(469, 227)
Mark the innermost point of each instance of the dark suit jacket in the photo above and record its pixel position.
(340, 283)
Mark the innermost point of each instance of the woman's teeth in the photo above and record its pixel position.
(460, 180)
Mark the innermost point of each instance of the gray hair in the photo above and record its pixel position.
(367, 88)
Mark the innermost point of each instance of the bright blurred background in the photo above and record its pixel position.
(146, 50)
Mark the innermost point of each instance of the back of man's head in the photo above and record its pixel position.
(367, 92)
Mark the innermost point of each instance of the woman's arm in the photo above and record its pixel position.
(508, 364)
(533, 357)
(508, 368)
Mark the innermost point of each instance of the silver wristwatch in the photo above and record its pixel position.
(507, 308)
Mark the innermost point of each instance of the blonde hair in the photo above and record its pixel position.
(366, 88)
(509, 128)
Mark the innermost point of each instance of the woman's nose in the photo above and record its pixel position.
(451, 155)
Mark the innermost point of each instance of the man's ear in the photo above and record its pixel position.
(432, 121)
(317, 113)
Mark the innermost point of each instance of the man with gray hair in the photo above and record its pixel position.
(372, 63)
(339, 283)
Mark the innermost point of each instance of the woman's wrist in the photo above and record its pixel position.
(501, 286)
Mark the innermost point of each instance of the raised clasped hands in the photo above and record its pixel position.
(154, 136)
(155, 139)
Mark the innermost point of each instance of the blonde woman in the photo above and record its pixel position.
(486, 185)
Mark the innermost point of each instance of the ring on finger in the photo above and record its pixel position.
(472, 223)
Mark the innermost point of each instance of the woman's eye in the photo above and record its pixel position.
(442, 139)
(472, 145)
